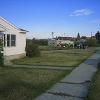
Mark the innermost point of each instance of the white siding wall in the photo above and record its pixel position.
(20, 44)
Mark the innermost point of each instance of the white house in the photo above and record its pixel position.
(14, 40)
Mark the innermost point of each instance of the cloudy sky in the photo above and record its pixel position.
(63, 17)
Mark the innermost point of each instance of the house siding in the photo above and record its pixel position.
(20, 45)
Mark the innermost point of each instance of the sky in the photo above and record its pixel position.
(63, 17)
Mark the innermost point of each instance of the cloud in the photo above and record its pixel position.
(81, 12)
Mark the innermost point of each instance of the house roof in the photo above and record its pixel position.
(22, 30)
(12, 25)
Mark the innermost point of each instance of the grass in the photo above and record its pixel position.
(70, 57)
(45, 48)
(26, 84)
(94, 93)
(48, 48)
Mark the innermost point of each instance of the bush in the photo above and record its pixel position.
(40, 42)
(32, 50)
(92, 42)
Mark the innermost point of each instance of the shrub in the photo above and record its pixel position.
(32, 49)
(92, 42)
(41, 42)
(1, 59)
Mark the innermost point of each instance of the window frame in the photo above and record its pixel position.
(10, 40)
(13, 40)
(8, 43)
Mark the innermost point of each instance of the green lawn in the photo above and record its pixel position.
(26, 84)
(94, 93)
(70, 57)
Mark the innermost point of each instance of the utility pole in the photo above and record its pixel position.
(91, 34)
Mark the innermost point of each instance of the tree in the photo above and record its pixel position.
(97, 35)
(83, 37)
(42, 42)
(91, 42)
(78, 36)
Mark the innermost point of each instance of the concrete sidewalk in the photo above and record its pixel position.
(75, 85)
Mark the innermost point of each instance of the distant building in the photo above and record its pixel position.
(64, 38)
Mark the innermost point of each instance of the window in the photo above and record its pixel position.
(13, 40)
(1, 35)
(4, 40)
(8, 40)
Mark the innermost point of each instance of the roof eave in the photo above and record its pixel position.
(2, 30)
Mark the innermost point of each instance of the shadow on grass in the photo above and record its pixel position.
(25, 83)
